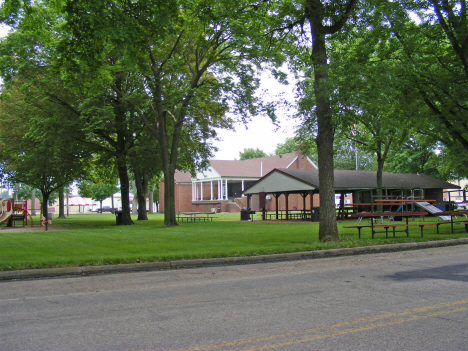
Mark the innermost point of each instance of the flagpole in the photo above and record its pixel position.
(353, 133)
(355, 149)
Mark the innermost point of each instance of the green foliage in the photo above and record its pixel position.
(345, 156)
(177, 67)
(289, 146)
(35, 149)
(344, 151)
(251, 153)
(370, 97)
(24, 192)
(411, 76)
(97, 191)
(423, 155)
(50, 200)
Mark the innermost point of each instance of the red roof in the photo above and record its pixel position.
(254, 168)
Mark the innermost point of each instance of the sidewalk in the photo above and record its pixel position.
(225, 261)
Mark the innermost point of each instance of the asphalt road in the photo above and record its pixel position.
(412, 300)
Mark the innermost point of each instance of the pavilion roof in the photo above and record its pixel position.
(354, 180)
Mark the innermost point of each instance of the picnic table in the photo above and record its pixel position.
(407, 215)
(397, 202)
(291, 215)
(195, 216)
(403, 200)
(454, 214)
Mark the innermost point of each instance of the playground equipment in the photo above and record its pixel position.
(6, 207)
(20, 213)
(12, 211)
(432, 209)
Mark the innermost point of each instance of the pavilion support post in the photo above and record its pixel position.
(276, 195)
(262, 200)
(304, 195)
(249, 197)
(342, 206)
(311, 194)
(287, 204)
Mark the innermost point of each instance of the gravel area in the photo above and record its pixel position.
(35, 228)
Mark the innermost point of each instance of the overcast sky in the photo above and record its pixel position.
(259, 133)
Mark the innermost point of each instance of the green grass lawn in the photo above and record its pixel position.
(95, 239)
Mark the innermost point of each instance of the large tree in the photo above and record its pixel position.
(145, 164)
(35, 150)
(194, 59)
(107, 120)
(431, 53)
(374, 111)
(309, 24)
(325, 18)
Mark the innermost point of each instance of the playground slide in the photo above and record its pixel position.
(432, 209)
(5, 214)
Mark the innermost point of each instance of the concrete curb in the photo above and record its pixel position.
(224, 261)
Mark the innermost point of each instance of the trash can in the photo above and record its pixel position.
(245, 214)
(118, 217)
(50, 216)
(315, 214)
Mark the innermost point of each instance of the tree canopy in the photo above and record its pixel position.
(251, 153)
(155, 78)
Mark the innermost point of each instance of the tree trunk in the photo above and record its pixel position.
(328, 229)
(380, 164)
(45, 204)
(121, 148)
(381, 157)
(170, 218)
(124, 189)
(61, 204)
(135, 199)
(33, 202)
(141, 183)
(151, 200)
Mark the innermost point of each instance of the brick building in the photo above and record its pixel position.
(219, 188)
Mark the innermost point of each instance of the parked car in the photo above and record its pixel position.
(106, 209)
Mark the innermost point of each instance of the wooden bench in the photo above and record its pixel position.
(393, 226)
(465, 223)
(196, 218)
(359, 227)
(16, 218)
(294, 215)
